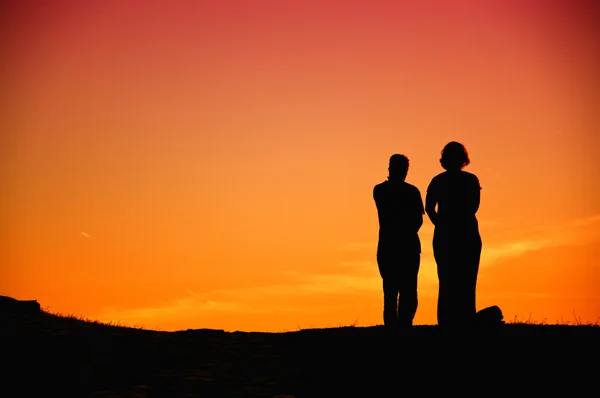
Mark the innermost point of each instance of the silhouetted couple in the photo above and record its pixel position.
(451, 204)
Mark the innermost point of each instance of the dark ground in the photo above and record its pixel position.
(46, 355)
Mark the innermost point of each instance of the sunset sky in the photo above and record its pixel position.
(210, 164)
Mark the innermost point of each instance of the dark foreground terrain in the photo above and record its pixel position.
(48, 355)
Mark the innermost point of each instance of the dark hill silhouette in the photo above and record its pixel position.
(9, 305)
(49, 355)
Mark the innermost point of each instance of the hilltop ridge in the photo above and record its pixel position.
(75, 357)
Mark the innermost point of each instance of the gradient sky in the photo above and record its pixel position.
(210, 164)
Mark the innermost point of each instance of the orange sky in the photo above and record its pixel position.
(210, 164)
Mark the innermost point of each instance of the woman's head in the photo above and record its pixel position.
(454, 156)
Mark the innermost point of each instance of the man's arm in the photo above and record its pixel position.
(418, 211)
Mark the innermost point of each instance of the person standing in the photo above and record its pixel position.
(451, 203)
(400, 213)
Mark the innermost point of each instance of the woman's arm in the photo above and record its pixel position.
(430, 203)
(475, 196)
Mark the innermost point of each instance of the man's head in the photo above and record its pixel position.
(398, 168)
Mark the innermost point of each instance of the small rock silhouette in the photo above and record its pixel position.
(12, 306)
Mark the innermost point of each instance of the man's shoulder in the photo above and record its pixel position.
(412, 188)
(377, 189)
(380, 186)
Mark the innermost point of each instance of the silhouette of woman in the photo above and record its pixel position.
(456, 239)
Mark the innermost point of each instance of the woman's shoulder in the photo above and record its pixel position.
(440, 176)
(471, 178)
(459, 177)
(436, 181)
(469, 175)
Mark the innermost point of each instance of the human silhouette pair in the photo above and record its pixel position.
(451, 203)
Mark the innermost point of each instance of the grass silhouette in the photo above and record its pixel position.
(63, 355)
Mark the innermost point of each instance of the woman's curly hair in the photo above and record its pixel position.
(454, 156)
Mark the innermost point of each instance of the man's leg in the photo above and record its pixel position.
(388, 271)
(408, 302)
(390, 302)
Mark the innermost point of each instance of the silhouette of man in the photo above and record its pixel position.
(400, 211)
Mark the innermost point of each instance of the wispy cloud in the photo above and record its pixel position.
(359, 246)
(567, 231)
(359, 264)
(595, 219)
(344, 284)
(86, 235)
(250, 300)
(519, 294)
(580, 231)
(189, 304)
(490, 223)
(494, 252)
